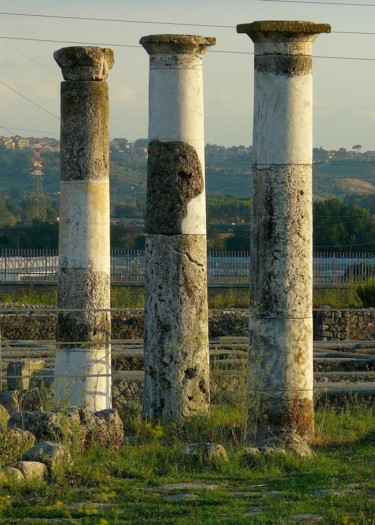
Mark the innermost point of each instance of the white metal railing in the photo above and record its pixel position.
(330, 269)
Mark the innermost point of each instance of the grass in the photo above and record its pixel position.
(30, 295)
(337, 297)
(366, 293)
(123, 487)
(133, 297)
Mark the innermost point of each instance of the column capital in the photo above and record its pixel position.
(283, 30)
(84, 63)
(176, 44)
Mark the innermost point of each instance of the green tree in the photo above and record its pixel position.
(342, 228)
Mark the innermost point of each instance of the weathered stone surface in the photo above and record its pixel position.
(14, 442)
(84, 289)
(174, 44)
(281, 232)
(228, 323)
(176, 330)
(174, 178)
(272, 415)
(83, 371)
(288, 442)
(84, 63)
(355, 325)
(181, 497)
(290, 66)
(12, 474)
(205, 451)
(54, 455)
(19, 372)
(280, 365)
(306, 518)
(79, 426)
(187, 486)
(280, 377)
(14, 400)
(126, 391)
(84, 107)
(251, 452)
(277, 29)
(30, 400)
(128, 324)
(108, 430)
(46, 426)
(43, 379)
(32, 469)
(343, 325)
(284, 345)
(21, 327)
(4, 416)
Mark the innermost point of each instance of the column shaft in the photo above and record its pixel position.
(176, 314)
(83, 360)
(280, 374)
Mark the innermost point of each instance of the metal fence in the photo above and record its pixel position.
(128, 266)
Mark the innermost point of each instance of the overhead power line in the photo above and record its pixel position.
(32, 130)
(68, 42)
(7, 129)
(29, 100)
(140, 47)
(319, 3)
(157, 22)
(119, 20)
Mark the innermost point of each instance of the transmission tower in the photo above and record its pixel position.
(38, 197)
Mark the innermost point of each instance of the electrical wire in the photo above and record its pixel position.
(29, 100)
(219, 51)
(32, 130)
(171, 23)
(117, 20)
(318, 3)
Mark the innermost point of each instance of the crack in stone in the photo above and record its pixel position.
(193, 261)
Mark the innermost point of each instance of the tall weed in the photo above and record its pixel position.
(366, 292)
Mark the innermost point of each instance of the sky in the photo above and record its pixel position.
(343, 65)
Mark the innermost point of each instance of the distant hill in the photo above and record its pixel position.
(340, 174)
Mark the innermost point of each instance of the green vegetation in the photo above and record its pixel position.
(338, 225)
(30, 295)
(127, 297)
(342, 228)
(366, 293)
(128, 487)
(133, 296)
(336, 298)
(228, 297)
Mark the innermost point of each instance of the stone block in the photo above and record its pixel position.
(53, 455)
(32, 470)
(19, 372)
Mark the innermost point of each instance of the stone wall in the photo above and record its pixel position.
(329, 324)
(344, 325)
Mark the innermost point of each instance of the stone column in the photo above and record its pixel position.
(83, 360)
(176, 314)
(280, 376)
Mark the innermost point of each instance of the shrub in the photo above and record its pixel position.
(366, 292)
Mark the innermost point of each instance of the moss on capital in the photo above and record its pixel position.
(285, 28)
(159, 44)
(84, 63)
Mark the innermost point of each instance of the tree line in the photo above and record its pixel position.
(338, 227)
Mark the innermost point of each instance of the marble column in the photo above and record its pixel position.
(280, 372)
(83, 359)
(176, 315)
